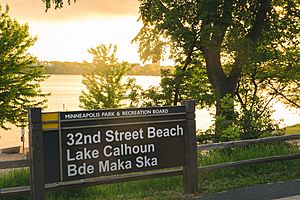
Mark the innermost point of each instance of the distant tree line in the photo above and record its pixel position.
(56, 67)
(77, 68)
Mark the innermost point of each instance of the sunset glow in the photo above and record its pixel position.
(67, 34)
(69, 41)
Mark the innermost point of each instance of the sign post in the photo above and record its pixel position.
(37, 180)
(190, 170)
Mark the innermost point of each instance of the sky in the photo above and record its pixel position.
(66, 34)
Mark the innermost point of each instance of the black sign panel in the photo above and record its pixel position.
(120, 149)
(51, 156)
(114, 141)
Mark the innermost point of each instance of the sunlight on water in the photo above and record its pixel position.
(65, 91)
(288, 116)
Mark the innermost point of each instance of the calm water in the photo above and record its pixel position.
(65, 91)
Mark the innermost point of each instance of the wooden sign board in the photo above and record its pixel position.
(87, 144)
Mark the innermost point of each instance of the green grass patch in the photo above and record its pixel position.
(252, 174)
(150, 189)
(162, 188)
(14, 178)
(293, 129)
(171, 187)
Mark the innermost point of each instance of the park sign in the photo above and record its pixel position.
(86, 144)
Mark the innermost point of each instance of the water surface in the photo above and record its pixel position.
(65, 91)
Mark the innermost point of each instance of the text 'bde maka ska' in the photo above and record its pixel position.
(103, 145)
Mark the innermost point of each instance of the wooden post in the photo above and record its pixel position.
(37, 176)
(190, 170)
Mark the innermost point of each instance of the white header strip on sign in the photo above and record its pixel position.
(123, 124)
(123, 117)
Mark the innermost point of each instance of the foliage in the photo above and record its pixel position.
(250, 50)
(241, 43)
(152, 46)
(188, 84)
(57, 3)
(252, 121)
(104, 84)
(256, 109)
(20, 77)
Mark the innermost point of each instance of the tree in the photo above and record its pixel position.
(152, 45)
(230, 36)
(104, 84)
(20, 77)
(187, 83)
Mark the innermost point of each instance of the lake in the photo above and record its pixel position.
(65, 91)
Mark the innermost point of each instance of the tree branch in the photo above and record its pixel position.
(284, 96)
(239, 97)
(253, 35)
(255, 88)
(188, 60)
(189, 51)
(223, 23)
(256, 30)
(177, 22)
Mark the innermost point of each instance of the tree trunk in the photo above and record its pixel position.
(224, 88)
(225, 85)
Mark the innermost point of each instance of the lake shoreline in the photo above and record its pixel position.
(66, 89)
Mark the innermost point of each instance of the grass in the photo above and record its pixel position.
(171, 187)
(151, 189)
(163, 188)
(13, 178)
(249, 175)
(293, 129)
